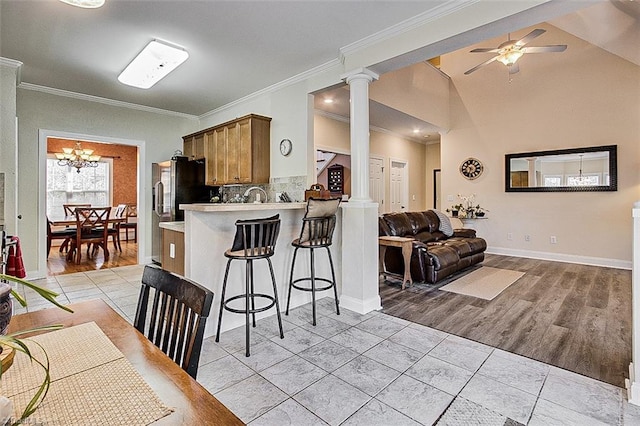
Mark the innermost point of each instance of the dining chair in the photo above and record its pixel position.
(114, 230)
(64, 234)
(131, 222)
(175, 319)
(92, 228)
(69, 209)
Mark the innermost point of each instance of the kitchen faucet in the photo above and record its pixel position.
(257, 200)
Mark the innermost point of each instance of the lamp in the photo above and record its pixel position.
(86, 4)
(77, 157)
(581, 179)
(155, 61)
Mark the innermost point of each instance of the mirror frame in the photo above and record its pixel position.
(613, 170)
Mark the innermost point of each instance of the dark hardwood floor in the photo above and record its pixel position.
(575, 317)
(58, 265)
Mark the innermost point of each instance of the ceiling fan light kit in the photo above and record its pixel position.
(510, 51)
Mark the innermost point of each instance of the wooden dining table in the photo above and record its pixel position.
(192, 403)
(71, 220)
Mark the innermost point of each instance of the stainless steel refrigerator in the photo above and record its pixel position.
(176, 181)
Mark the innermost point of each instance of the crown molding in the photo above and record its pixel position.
(405, 26)
(277, 86)
(100, 100)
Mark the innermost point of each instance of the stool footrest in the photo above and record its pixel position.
(326, 280)
(253, 297)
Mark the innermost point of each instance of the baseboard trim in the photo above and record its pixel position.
(361, 306)
(561, 257)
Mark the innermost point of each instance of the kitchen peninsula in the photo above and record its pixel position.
(209, 231)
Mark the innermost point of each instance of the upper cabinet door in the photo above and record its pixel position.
(244, 151)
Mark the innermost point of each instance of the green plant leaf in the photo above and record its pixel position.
(45, 293)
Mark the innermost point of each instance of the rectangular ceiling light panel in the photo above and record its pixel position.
(155, 61)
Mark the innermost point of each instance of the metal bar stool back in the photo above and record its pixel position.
(317, 232)
(254, 240)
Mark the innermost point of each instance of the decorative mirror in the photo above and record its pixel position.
(563, 170)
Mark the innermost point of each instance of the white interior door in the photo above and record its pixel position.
(399, 186)
(376, 182)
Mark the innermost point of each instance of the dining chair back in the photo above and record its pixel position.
(69, 209)
(92, 228)
(173, 315)
(131, 222)
(114, 230)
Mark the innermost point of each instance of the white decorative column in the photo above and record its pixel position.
(360, 214)
(633, 382)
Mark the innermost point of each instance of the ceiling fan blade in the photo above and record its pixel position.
(533, 34)
(481, 65)
(514, 68)
(545, 49)
(485, 49)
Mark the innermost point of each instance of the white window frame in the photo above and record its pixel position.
(109, 191)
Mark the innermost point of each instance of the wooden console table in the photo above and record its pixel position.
(403, 242)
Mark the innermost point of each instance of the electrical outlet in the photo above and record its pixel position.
(413, 198)
(553, 239)
(527, 238)
(449, 197)
(510, 236)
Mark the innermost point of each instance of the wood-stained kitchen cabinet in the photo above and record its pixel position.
(194, 147)
(237, 151)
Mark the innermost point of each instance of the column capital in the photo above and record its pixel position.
(359, 73)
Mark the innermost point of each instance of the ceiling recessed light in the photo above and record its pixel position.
(328, 101)
(155, 61)
(87, 4)
(416, 131)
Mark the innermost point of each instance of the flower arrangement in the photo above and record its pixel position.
(466, 208)
(14, 342)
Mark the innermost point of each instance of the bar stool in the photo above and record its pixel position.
(255, 239)
(318, 225)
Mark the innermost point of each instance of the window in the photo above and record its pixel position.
(584, 180)
(552, 180)
(66, 186)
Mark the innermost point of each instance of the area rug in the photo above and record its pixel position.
(484, 283)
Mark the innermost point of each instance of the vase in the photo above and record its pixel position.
(6, 306)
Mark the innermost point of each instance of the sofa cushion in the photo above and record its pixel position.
(432, 218)
(442, 256)
(418, 221)
(398, 224)
(425, 237)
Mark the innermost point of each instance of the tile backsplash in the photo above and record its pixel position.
(294, 186)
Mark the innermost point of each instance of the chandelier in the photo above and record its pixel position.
(77, 157)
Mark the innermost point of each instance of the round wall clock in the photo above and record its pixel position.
(471, 168)
(285, 147)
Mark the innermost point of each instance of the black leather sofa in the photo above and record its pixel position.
(434, 255)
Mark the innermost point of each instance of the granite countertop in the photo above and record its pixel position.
(173, 226)
(234, 207)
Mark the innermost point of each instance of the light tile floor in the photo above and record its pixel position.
(371, 369)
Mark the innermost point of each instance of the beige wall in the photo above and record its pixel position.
(592, 99)
(331, 135)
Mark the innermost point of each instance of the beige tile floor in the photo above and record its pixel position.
(371, 369)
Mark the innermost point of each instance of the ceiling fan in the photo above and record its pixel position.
(511, 50)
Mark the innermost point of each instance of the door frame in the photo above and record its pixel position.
(43, 135)
(436, 173)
